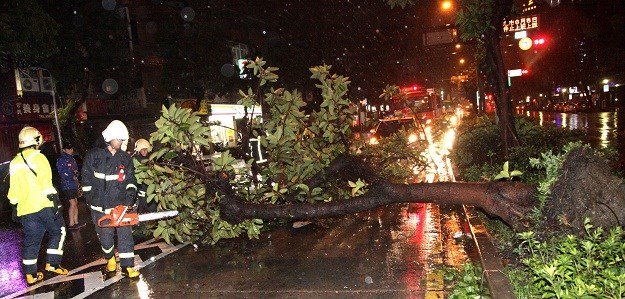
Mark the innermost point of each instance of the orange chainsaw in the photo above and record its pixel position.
(123, 216)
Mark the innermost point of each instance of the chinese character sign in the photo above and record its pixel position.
(520, 24)
(30, 109)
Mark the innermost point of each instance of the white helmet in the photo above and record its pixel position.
(142, 144)
(29, 136)
(116, 130)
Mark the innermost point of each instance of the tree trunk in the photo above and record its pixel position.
(587, 188)
(508, 200)
(494, 60)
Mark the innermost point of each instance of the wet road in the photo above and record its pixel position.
(392, 252)
(602, 128)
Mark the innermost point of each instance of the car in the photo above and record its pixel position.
(389, 126)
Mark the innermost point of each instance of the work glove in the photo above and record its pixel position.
(131, 196)
(56, 201)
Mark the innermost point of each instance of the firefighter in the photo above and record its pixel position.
(142, 148)
(38, 206)
(108, 180)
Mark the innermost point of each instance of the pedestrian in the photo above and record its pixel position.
(38, 206)
(142, 149)
(68, 171)
(108, 180)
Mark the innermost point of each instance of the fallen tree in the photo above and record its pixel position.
(510, 201)
(315, 169)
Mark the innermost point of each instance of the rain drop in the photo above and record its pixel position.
(110, 86)
(227, 70)
(109, 4)
(187, 14)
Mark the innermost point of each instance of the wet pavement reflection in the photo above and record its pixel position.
(373, 254)
(10, 260)
(601, 128)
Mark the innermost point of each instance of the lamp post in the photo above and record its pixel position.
(54, 106)
(56, 116)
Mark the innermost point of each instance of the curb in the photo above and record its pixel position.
(497, 281)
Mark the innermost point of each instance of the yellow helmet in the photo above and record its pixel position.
(142, 144)
(29, 136)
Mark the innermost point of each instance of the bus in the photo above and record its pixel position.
(424, 102)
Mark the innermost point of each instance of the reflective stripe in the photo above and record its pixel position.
(108, 250)
(22, 165)
(15, 167)
(54, 251)
(99, 209)
(131, 186)
(29, 262)
(110, 177)
(86, 188)
(61, 242)
(126, 255)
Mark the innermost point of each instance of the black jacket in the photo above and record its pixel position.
(107, 180)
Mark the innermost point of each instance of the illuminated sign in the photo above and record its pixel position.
(520, 34)
(517, 72)
(529, 5)
(520, 24)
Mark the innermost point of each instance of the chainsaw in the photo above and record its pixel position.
(124, 216)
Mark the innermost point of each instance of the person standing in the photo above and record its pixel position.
(142, 148)
(38, 206)
(68, 171)
(108, 180)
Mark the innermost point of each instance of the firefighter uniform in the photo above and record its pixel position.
(32, 191)
(108, 180)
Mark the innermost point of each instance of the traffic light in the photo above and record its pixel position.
(539, 41)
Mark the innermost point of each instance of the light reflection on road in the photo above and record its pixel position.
(601, 127)
(429, 234)
(11, 263)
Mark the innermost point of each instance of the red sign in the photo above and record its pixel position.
(29, 108)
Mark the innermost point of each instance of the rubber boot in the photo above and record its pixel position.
(131, 272)
(56, 269)
(30, 279)
(111, 264)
